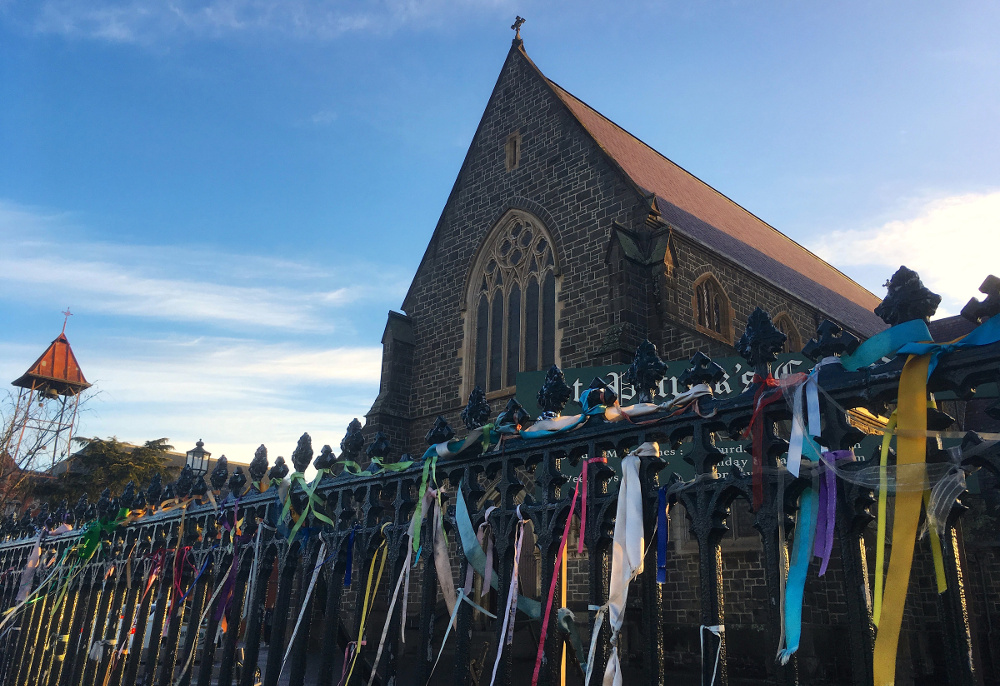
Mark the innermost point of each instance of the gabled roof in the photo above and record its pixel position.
(57, 369)
(705, 214)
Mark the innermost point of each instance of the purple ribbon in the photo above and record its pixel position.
(827, 516)
(226, 595)
(350, 558)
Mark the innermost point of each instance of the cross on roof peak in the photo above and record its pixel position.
(516, 26)
(67, 314)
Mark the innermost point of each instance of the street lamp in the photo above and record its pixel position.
(198, 459)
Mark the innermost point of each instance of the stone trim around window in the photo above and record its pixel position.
(711, 308)
(511, 302)
(784, 323)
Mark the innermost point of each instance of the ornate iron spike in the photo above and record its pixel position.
(906, 299)
(440, 432)
(139, 503)
(104, 504)
(279, 471)
(43, 514)
(326, 458)
(303, 453)
(221, 473)
(60, 514)
(238, 481)
(513, 416)
(154, 490)
(80, 509)
(353, 441)
(199, 488)
(600, 393)
(761, 342)
(830, 340)
(554, 393)
(258, 465)
(477, 411)
(979, 311)
(702, 370)
(128, 495)
(646, 372)
(168, 493)
(185, 480)
(380, 447)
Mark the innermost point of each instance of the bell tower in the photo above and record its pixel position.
(45, 415)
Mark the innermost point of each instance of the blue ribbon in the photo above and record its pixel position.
(984, 334)
(805, 530)
(661, 543)
(886, 344)
(350, 557)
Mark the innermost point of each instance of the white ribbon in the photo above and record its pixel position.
(626, 554)
(321, 557)
(507, 630)
(809, 387)
(716, 629)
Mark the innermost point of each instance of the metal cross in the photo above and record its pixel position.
(517, 27)
(66, 318)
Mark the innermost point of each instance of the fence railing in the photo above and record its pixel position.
(189, 584)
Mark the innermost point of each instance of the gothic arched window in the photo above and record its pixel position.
(712, 310)
(793, 340)
(512, 303)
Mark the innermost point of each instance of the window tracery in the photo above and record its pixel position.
(793, 340)
(514, 304)
(712, 310)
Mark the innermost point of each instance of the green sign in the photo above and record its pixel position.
(738, 376)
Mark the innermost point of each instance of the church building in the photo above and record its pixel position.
(568, 240)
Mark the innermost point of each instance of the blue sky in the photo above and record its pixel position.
(230, 194)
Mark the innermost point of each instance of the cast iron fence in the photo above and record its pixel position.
(144, 608)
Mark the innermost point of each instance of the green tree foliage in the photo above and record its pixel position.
(109, 463)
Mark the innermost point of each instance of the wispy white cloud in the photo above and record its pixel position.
(951, 242)
(150, 21)
(177, 283)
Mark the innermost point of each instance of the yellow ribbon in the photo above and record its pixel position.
(883, 499)
(911, 449)
(370, 592)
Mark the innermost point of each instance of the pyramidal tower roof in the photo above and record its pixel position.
(56, 369)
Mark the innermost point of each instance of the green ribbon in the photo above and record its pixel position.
(312, 499)
(430, 471)
(392, 466)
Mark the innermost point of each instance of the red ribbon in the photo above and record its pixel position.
(769, 390)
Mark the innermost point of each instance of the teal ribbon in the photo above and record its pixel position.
(805, 530)
(477, 558)
(886, 344)
(986, 333)
(586, 414)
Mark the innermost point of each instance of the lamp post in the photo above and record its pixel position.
(198, 459)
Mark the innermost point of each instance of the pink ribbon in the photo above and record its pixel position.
(547, 610)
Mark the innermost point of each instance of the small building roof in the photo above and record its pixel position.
(56, 369)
